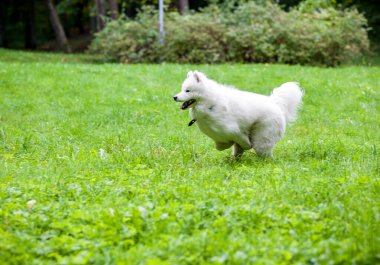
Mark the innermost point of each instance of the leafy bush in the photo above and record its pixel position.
(195, 39)
(327, 37)
(129, 41)
(251, 32)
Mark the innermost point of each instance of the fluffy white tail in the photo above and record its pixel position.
(288, 97)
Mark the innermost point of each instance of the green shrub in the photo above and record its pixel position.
(195, 39)
(266, 33)
(129, 41)
(251, 32)
(327, 37)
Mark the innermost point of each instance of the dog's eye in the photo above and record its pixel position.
(187, 91)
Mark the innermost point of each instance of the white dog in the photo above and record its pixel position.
(241, 119)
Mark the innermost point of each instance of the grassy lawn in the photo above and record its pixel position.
(119, 178)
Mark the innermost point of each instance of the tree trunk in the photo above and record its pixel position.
(114, 10)
(79, 18)
(2, 24)
(183, 6)
(100, 14)
(29, 22)
(57, 27)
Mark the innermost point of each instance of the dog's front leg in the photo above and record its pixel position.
(237, 151)
(222, 146)
(243, 142)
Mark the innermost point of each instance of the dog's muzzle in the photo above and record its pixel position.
(187, 104)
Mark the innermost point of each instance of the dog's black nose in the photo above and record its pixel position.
(175, 97)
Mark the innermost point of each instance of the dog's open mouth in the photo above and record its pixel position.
(187, 104)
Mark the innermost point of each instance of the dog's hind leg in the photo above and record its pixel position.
(222, 146)
(264, 137)
(264, 152)
(263, 145)
(237, 151)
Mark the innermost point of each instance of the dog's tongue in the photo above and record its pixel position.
(186, 104)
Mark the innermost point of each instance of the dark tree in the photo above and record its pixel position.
(57, 28)
(183, 6)
(2, 23)
(80, 17)
(114, 10)
(29, 22)
(100, 14)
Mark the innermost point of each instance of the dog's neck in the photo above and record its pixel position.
(192, 122)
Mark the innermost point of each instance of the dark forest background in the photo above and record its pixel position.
(69, 25)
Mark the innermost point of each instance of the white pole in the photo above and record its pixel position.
(161, 21)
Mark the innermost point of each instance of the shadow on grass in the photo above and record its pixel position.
(249, 158)
(19, 56)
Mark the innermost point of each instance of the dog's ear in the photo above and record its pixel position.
(199, 76)
(190, 73)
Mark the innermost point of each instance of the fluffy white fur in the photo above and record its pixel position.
(241, 119)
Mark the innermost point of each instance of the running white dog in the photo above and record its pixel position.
(241, 119)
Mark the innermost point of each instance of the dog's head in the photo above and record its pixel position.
(191, 89)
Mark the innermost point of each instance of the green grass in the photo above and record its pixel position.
(35, 57)
(119, 178)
